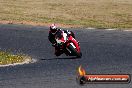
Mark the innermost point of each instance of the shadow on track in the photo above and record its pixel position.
(61, 58)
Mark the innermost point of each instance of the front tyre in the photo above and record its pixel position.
(73, 51)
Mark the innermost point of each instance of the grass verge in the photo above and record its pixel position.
(84, 13)
(7, 58)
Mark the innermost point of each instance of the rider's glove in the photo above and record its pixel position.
(54, 45)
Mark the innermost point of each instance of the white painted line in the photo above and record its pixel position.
(27, 61)
(90, 28)
(127, 30)
(110, 29)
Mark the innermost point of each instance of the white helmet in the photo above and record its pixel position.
(53, 28)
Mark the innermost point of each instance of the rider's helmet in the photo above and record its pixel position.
(53, 28)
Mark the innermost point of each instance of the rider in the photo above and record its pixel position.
(51, 37)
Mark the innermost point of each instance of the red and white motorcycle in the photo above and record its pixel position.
(67, 44)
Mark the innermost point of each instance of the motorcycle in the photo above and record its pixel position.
(67, 44)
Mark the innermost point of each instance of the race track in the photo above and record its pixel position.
(104, 52)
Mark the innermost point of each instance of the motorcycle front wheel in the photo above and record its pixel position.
(73, 51)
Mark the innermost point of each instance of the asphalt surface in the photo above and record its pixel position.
(104, 52)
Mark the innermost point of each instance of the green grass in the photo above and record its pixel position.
(7, 58)
(86, 13)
